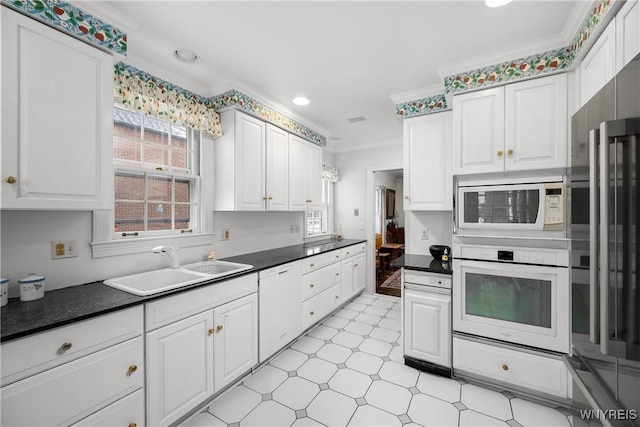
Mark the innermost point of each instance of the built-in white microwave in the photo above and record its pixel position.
(511, 206)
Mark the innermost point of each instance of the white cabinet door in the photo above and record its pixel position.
(297, 173)
(235, 349)
(314, 176)
(627, 33)
(347, 277)
(179, 368)
(280, 296)
(249, 162)
(536, 124)
(277, 168)
(427, 327)
(57, 98)
(359, 274)
(428, 162)
(599, 66)
(478, 131)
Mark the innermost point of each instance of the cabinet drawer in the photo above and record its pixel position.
(319, 280)
(318, 261)
(70, 392)
(320, 305)
(429, 279)
(350, 251)
(168, 310)
(125, 412)
(29, 355)
(521, 369)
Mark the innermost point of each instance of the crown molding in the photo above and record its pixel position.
(249, 91)
(107, 12)
(411, 95)
(575, 21)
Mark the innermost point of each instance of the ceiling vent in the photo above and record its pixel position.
(357, 119)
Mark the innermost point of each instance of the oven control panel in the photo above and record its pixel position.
(515, 255)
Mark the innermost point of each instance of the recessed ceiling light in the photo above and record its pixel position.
(186, 55)
(357, 119)
(496, 3)
(301, 100)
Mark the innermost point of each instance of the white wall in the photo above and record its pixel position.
(438, 226)
(400, 220)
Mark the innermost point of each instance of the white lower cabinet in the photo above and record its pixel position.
(314, 309)
(128, 411)
(74, 372)
(180, 368)
(280, 318)
(353, 270)
(72, 391)
(540, 373)
(235, 348)
(427, 326)
(191, 356)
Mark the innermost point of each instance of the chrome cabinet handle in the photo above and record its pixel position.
(594, 321)
(604, 239)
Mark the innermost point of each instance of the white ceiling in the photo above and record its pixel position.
(348, 58)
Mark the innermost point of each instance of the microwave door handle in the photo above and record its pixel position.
(594, 310)
(604, 238)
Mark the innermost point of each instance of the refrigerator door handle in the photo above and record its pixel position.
(594, 309)
(604, 238)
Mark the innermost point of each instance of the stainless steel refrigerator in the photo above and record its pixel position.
(603, 194)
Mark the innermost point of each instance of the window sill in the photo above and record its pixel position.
(144, 244)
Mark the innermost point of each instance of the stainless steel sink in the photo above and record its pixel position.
(166, 279)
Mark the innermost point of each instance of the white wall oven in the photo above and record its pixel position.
(521, 207)
(513, 294)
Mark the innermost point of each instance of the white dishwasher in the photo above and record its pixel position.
(427, 321)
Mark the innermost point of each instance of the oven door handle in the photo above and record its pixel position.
(594, 309)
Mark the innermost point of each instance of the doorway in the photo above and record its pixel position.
(388, 229)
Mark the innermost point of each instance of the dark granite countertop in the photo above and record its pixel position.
(422, 263)
(75, 303)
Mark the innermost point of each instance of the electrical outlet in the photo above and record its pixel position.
(64, 249)
(425, 234)
(224, 235)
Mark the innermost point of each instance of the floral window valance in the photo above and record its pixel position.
(140, 91)
(330, 173)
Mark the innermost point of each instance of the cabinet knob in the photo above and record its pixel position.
(406, 197)
(311, 313)
(264, 198)
(269, 198)
(10, 180)
(510, 151)
(133, 425)
(311, 285)
(212, 331)
(312, 265)
(132, 369)
(505, 367)
(500, 153)
(219, 328)
(66, 346)
(337, 296)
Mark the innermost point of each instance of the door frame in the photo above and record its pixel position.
(370, 222)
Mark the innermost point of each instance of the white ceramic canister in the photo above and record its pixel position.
(4, 291)
(31, 287)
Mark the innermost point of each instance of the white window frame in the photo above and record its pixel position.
(327, 208)
(106, 244)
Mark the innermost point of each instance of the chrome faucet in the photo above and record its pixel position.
(172, 253)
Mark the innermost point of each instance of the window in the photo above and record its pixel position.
(156, 176)
(318, 222)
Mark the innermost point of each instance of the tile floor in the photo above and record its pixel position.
(349, 371)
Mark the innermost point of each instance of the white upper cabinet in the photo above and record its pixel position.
(57, 95)
(599, 65)
(305, 175)
(627, 33)
(536, 117)
(478, 131)
(259, 167)
(521, 126)
(277, 155)
(428, 162)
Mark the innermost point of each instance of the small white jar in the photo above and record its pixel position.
(31, 287)
(4, 291)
